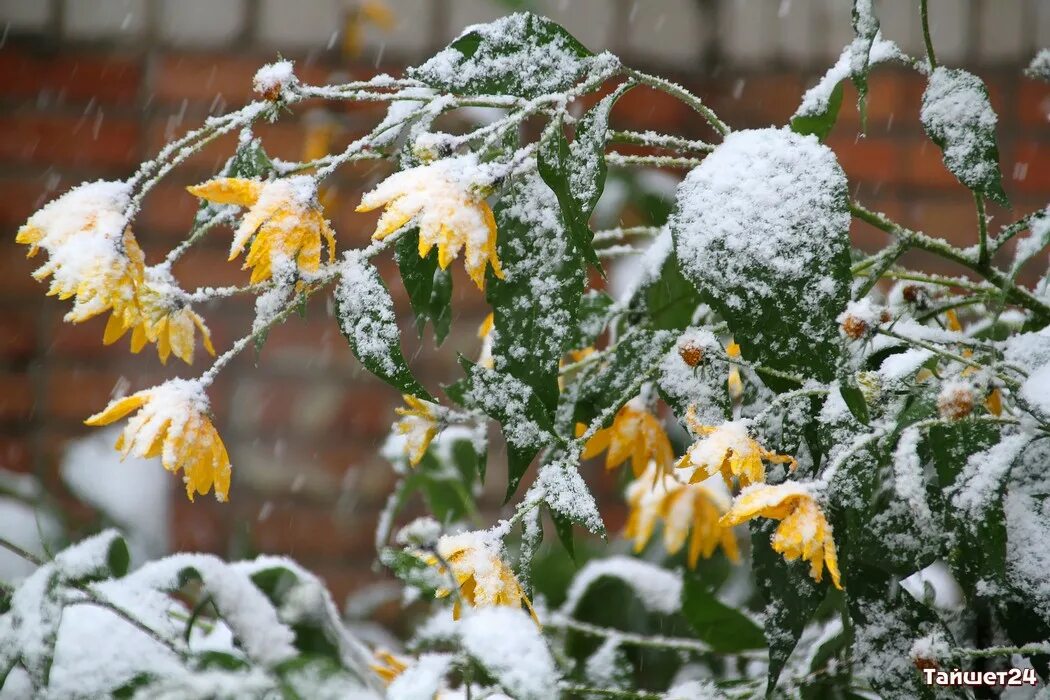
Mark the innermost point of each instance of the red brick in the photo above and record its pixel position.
(1033, 104)
(952, 218)
(201, 76)
(17, 334)
(306, 531)
(870, 159)
(20, 197)
(167, 213)
(75, 394)
(16, 397)
(200, 525)
(924, 166)
(1028, 168)
(644, 108)
(16, 454)
(107, 78)
(885, 88)
(109, 142)
(16, 272)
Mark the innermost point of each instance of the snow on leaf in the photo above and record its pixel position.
(958, 117)
(565, 492)
(508, 644)
(761, 228)
(657, 589)
(367, 319)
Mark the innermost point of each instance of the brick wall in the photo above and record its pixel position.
(91, 88)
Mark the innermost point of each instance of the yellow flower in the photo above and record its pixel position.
(450, 215)
(284, 222)
(657, 496)
(803, 533)
(173, 424)
(388, 665)
(634, 433)
(485, 334)
(729, 449)
(418, 424)
(736, 385)
(164, 320)
(93, 256)
(483, 579)
(367, 12)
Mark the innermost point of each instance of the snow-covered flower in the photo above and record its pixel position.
(93, 257)
(388, 665)
(730, 450)
(284, 222)
(682, 507)
(955, 400)
(479, 571)
(803, 532)
(163, 319)
(635, 433)
(418, 423)
(173, 424)
(735, 383)
(451, 214)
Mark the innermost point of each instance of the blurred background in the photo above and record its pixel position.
(89, 88)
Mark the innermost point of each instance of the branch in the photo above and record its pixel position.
(676, 90)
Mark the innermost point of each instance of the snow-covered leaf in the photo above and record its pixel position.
(761, 229)
(508, 645)
(725, 629)
(536, 307)
(1039, 68)
(521, 54)
(958, 117)
(367, 319)
(429, 287)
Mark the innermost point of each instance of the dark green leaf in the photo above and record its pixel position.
(670, 299)
(429, 287)
(595, 307)
(791, 598)
(819, 121)
(535, 309)
(854, 399)
(958, 117)
(773, 260)
(526, 423)
(636, 357)
(523, 55)
(563, 526)
(725, 629)
(866, 28)
(367, 319)
(553, 160)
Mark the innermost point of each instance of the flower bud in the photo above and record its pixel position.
(691, 353)
(854, 328)
(955, 401)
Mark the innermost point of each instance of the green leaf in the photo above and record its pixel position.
(595, 309)
(820, 120)
(429, 287)
(553, 161)
(412, 570)
(526, 423)
(866, 28)
(563, 526)
(791, 598)
(958, 117)
(635, 358)
(535, 309)
(522, 55)
(761, 229)
(249, 160)
(367, 319)
(854, 399)
(118, 558)
(725, 629)
(670, 299)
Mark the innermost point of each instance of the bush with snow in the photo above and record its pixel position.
(855, 491)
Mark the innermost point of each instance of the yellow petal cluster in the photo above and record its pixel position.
(450, 214)
(483, 579)
(635, 433)
(172, 423)
(735, 383)
(284, 224)
(730, 450)
(485, 334)
(388, 665)
(359, 17)
(419, 425)
(657, 496)
(804, 533)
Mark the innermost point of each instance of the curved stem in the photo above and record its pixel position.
(924, 15)
(982, 230)
(676, 90)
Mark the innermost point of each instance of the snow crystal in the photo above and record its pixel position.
(645, 268)
(500, 394)
(508, 644)
(1040, 65)
(658, 590)
(932, 647)
(1028, 350)
(274, 78)
(816, 100)
(398, 114)
(909, 482)
(366, 312)
(422, 531)
(566, 493)
(765, 209)
(903, 365)
(1036, 389)
(956, 112)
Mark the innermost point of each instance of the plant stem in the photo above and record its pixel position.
(676, 90)
(616, 158)
(632, 639)
(916, 239)
(924, 15)
(576, 689)
(656, 140)
(982, 230)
